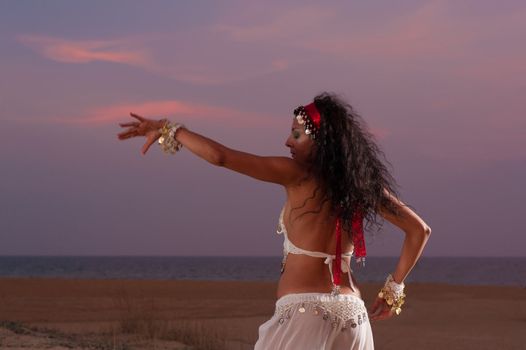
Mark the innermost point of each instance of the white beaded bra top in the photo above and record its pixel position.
(289, 247)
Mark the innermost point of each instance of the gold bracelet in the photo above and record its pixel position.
(167, 139)
(393, 294)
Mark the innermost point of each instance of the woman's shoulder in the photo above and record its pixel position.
(304, 183)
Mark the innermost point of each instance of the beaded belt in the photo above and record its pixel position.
(345, 308)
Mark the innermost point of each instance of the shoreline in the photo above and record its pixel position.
(204, 280)
(435, 315)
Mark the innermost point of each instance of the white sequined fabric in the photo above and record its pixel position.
(318, 321)
(346, 309)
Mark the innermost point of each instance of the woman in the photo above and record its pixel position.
(333, 181)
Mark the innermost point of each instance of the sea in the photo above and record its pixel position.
(505, 271)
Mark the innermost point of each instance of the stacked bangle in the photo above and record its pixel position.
(167, 139)
(393, 294)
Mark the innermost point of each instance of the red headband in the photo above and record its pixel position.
(313, 114)
(310, 118)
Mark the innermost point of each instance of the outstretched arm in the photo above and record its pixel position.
(280, 170)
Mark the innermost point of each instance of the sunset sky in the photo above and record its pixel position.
(441, 84)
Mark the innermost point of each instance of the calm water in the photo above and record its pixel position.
(467, 271)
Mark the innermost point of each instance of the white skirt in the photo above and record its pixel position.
(317, 321)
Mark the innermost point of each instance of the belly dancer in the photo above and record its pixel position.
(334, 182)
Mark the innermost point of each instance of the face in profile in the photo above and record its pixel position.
(299, 143)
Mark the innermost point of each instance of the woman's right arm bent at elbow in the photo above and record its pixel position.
(416, 231)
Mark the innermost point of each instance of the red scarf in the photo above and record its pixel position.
(356, 223)
(357, 239)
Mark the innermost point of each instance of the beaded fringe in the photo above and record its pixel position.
(344, 308)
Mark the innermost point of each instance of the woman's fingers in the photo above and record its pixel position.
(124, 125)
(150, 140)
(146, 146)
(127, 134)
(377, 316)
(377, 306)
(380, 310)
(137, 117)
(144, 127)
(384, 315)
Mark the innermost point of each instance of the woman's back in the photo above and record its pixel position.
(315, 308)
(310, 226)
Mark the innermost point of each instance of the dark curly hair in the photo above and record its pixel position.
(346, 162)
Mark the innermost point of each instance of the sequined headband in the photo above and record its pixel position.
(310, 118)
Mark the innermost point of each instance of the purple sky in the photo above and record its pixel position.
(440, 83)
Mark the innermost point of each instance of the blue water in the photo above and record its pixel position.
(453, 270)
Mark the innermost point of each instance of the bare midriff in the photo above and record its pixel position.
(306, 274)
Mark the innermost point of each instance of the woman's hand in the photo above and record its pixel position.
(143, 127)
(380, 310)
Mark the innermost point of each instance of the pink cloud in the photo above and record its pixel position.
(174, 55)
(86, 51)
(169, 109)
(181, 110)
(331, 32)
(380, 133)
(430, 30)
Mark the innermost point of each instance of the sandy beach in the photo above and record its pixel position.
(138, 314)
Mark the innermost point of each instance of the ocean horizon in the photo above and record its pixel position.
(451, 270)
